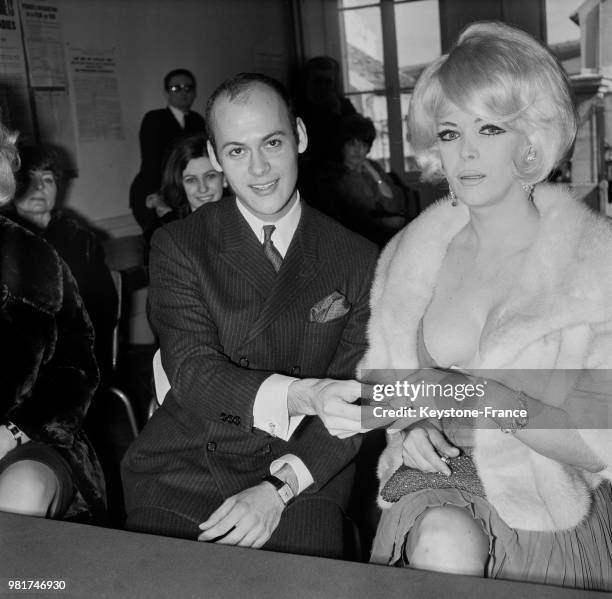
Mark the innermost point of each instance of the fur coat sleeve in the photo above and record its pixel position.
(557, 318)
(49, 371)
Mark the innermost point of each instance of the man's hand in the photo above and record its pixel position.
(155, 201)
(330, 400)
(424, 446)
(253, 514)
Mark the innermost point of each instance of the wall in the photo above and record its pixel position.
(212, 38)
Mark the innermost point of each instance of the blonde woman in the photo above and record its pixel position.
(509, 276)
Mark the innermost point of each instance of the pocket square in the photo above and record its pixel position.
(335, 305)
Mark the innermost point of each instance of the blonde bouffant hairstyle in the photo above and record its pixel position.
(498, 73)
(9, 162)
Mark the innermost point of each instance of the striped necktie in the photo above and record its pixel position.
(269, 248)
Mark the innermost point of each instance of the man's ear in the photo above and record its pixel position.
(213, 157)
(302, 136)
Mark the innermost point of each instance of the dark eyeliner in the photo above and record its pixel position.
(445, 132)
(493, 129)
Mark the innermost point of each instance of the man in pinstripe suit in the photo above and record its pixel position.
(247, 317)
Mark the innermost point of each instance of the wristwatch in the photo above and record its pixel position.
(15, 431)
(283, 489)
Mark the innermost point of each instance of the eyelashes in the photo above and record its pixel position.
(491, 129)
(451, 134)
(448, 135)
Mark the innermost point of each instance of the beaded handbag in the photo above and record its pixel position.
(464, 477)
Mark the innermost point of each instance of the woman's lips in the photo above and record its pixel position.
(471, 178)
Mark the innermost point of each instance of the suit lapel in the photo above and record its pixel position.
(243, 252)
(299, 268)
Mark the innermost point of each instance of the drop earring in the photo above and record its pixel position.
(452, 196)
(531, 154)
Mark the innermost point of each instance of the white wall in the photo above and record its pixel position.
(212, 38)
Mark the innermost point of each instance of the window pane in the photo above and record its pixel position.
(363, 50)
(559, 26)
(562, 34)
(374, 106)
(409, 160)
(352, 3)
(417, 26)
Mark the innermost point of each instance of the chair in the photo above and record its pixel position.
(160, 382)
(113, 390)
(110, 423)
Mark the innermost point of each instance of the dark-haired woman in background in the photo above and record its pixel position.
(35, 207)
(49, 374)
(189, 181)
(356, 190)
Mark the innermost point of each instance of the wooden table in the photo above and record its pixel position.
(96, 563)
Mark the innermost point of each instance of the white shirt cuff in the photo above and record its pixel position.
(270, 408)
(302, 473)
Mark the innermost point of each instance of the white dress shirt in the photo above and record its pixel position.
(179, 115)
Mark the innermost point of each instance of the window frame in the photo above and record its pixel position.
(392, 90)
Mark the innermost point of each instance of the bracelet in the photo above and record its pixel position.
(520, 422)
(15, 431)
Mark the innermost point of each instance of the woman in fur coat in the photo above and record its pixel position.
(508, 278)
(49, 374)
(34, 207)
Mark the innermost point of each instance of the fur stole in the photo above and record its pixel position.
(558, 316)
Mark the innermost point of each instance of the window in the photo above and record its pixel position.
(563, 33)
(387, 43)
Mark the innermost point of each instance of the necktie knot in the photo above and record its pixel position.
(268, 230)
(272, 254)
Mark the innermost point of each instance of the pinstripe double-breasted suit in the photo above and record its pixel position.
(226, 321)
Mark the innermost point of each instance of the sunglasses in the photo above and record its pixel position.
(181, 88)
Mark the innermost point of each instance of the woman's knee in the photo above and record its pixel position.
(448, 539)
(28, 487)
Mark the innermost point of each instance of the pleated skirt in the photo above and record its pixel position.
(577, 558)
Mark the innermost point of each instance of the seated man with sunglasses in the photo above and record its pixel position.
(158, 132)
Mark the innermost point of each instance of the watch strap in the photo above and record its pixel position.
(283, 489)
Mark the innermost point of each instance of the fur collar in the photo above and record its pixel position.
(565, 269)
(557, 316)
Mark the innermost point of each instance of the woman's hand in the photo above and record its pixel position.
(155, 201)
(7, 441)
(424, 446)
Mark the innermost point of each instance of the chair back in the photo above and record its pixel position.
(162, 384)
(116, 277)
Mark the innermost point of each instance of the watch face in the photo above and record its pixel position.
(285, 493)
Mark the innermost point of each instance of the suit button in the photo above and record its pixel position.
(244, 362)
(295, 371)
(211, 446)
(236, 419)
